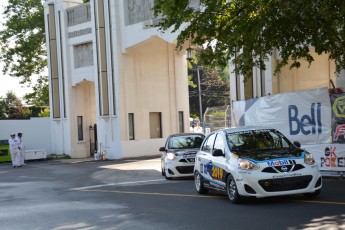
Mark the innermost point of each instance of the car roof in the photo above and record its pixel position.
(245, 128)
(186, 134)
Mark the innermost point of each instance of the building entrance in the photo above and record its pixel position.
(93, 139)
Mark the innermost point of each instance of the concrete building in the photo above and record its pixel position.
(116, 82)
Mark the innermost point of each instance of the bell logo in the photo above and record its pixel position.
(307, 124)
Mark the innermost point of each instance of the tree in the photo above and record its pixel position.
(247, 31)
(12, 107)
(2, 108)
(22, 43)
(44, 113)
(214, 82)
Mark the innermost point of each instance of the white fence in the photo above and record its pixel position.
(36, 132)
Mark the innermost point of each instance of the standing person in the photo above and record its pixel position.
(192, 128)
(14, 149)
(198, 128)
(21, 148)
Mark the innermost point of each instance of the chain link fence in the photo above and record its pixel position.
(217, 117)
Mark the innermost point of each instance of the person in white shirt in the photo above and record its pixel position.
(14, 149)
(21, 148)
(192, 128)
(198, 128)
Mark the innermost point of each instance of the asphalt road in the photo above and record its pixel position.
(73, 194)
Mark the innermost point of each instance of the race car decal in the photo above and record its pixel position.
(214, 183)
(281, 162)
(189, 156)
(215, 172)
(287, 175)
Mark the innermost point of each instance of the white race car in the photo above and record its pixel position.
(256, 162)
(178, 154)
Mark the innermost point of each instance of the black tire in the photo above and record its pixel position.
(168, 178)
(199, 183)
(231, 190)
(313, 194)
(163, 169)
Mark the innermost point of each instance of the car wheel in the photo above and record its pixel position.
(231, 190)
(199, 183)
(313, 194)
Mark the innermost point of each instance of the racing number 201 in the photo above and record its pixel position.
(217, 173)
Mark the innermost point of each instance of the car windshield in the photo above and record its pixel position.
(263, 139)
(185, 142)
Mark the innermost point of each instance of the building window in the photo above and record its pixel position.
(180, 122)
(80, 128)
(155, 125)
(131, 126)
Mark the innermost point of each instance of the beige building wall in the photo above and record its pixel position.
(317, 75)
(84, 106)
(154, 81)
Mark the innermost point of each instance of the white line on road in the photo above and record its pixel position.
(114, 184)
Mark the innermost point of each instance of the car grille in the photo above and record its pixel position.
(283, 168)
(187, 160)
(285, 184)
(185, 169)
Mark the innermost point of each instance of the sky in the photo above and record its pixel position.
(8, 83)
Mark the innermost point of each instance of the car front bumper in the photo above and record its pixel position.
(178, 167)
(259, 184)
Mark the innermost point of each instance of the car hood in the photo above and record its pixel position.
(180, 152)
(261, 155)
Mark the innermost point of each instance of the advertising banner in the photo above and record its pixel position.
(338, 118)
(329, 157)
(5, 154)
(303, 116)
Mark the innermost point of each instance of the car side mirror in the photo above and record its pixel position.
(297, 144)
(217, 153)
(162, 149)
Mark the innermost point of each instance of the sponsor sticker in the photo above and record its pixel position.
(185, 156)
(287, 175)
(278, 163)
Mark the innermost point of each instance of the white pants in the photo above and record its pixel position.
(15, 156)
(22, 156)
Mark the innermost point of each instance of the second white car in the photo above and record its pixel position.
(178, 154)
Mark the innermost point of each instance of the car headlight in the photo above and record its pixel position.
(309, 159)
(247, 164)
(171, 156)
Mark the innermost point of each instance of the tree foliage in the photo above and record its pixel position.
(214, 84)
(44, 113)
(22, 44)
(40, 94)
(12, 108)
(247, 31)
